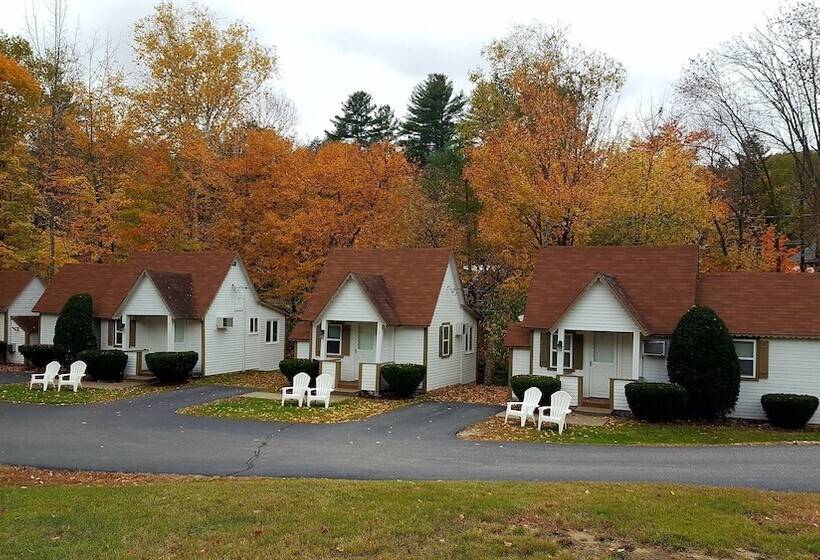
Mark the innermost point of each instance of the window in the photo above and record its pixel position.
(746, 357)
(367, 336)
(567, 350)
(446, 340)
(654, 347)
(333, 346)
(179, 331)
(469, 341)
(253, 325)
(224, 322)
(271, 331)
(119, 330)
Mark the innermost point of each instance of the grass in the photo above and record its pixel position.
(354, 408)
(630, 432)
(144, 517)
(22, 394)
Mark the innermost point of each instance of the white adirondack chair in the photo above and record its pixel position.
(321, 393)
(299, 389)
(46, 378)
(74, 376)
(558, 410)
(526, 408)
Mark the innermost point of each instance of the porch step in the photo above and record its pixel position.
(347, 388)
(593, 410)
(594, 402)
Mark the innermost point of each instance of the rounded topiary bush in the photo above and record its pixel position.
(291, 366)
(403, 379)
(39, 354)
(789, 411)
(703, 360)
(548, 385)
(171, 367)
(104, 365)
(74, 329)
(656, 402)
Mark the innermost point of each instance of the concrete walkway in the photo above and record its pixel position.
(414, 442)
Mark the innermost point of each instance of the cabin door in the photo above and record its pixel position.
(365, 349)
(602, 367)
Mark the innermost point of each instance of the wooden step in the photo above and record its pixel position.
(593, 410)
(594, 402)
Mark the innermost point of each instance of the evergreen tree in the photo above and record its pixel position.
(362, 122)
(433, 113)
(74, 330)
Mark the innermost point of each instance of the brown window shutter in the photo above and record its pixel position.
(441, 341)
(762, 360)
(577, 351)
(132, 333)
(345, 340)
(318, 340)
(111, 332)
(544, 354)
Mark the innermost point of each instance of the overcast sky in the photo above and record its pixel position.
(329, 49)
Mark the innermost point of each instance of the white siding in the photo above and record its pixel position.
(623, 355)
(447, 371)
(349, 304)
(144, 299)
(408, 345)
(47, 323)
(619, 396)
(654, 369)
(570, 384)
(227, 350)
(21, 306)
(520, 361)
(597, 309)
(303, 349)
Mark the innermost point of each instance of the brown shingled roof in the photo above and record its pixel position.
(657, 282)
(109, 284)
(12, 282)
(176, 290)
(410, 281)
(517, 336)
(764, 303)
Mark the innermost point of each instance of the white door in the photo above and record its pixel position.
(603, 364)
(365, 349)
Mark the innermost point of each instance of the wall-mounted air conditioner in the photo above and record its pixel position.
(224, 322)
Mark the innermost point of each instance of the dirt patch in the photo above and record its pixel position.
(31, 477)
(472, 393)
(16, 368)
(269, 380)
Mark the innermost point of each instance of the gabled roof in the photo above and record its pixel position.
(517, 336)
(12, 282)
(776, 304)
(403, 284)
(655, 284)
(176, 275)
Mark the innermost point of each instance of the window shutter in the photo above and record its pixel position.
(345, 340)
(577, 351)
(450, 340)
(441, 341)
(132, 333)
(318, 340)
(762, 356)
(544, 354)
(110, 332)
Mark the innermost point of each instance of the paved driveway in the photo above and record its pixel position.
(416, 442)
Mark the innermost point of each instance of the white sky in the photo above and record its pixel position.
(329, 49)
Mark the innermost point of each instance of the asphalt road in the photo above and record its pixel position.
(415, 442)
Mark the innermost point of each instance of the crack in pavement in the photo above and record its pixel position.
(258, 452)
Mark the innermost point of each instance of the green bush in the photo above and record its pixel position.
(403, 379)
(291, 366)
(548, 385)
(789, 411)
(3, 356)
(74, 330)
(104, 365)
(171, 367)
(702, 358)
(656, 402)
(39, 354)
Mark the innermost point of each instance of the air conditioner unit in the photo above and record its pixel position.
(654, 347)
(460, 329)
(224, 322)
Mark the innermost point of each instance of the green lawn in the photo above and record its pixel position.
(354, 408)
(22, 394)
(268, 518)
(630, 432)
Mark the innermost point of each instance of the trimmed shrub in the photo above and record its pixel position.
(291, 366)
(789, 411)
(3, 355)
(403, 379)
(74, 330)
(702, 358)
(39, 354)
(548, 385)
(656, 402)
(104, 365)
(171, 367)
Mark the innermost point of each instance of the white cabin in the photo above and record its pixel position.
(19, 325)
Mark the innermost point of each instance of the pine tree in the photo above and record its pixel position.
(384, 125)
(433, 113)
(362, 121)
(74, 330)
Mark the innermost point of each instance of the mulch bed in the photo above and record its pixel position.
(472, 393)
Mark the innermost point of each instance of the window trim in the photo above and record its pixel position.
(119, 332)
(446, 339)
(271, 331)
(329, 339)
(253, 325)
(567, 350)
(469, 342)
(753, 358)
